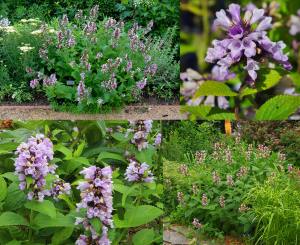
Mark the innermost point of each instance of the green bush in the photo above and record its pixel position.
(280, 136)
(223, 179)
(186, 137)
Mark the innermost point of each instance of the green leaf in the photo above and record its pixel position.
(208, 113)
(278, 108)
(214, 88)
(67, 152)
(3, 189)
(79, 149)
(146, 155)
(75, 163)
(110, 155)
(43, 221)
(15, 198)
(295, 77)
(264, 82)
(138, 215)
(144, 237)
(97, 225)
(45, 207)
(60, 236)
(10, 218)
(10, 176)
(120, 137)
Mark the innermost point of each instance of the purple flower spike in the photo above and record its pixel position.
(137, 172)
(96, 199)
(33, 163)
(246, 38)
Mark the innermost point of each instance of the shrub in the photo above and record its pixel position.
(53, 167)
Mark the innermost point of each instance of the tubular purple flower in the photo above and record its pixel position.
(32, 166)
(96, 200)
(34, 83)
(246, 38)
(137, 172)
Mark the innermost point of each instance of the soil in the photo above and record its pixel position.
(135, 112)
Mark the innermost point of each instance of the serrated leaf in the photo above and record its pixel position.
(45, 207)
(214, 88)
(266, 81)
(10, 218)
(278, 108)
(144, 237)
(138, 215)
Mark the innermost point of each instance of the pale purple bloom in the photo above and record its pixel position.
(294, 24)
(49, 81)
(33, 162)
(82, 92)
(137, 172)
(141, 129)
(246, 38)
(59, 187)
(96, 199)
(157, 141)
(34, 83)
(141, 84)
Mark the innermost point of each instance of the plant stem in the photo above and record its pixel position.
(206, 28)
(30, 222)
(298, 68)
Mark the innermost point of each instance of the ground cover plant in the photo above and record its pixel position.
(232, 188)
(81, 182)
(246, 65)
(89, 61)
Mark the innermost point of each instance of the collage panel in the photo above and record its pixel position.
(94, 56)
(240, 59)
(80, 182)
(232, 183)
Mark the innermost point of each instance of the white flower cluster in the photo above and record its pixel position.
(146, 3)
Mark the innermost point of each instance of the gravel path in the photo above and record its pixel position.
(155, 112)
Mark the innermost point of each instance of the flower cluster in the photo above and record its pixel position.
(246, 40)
(32, 166)
(137, 172)
(59, 187)
(141, 131)
(263, 151)
(192, 81)
(183, 169)
(47, 81)
(204, 200)
(96, 199)
(200, 156)
(65, 37)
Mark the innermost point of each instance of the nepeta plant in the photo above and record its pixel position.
(96, 64)
(137, 172)
(246, 42)
(96, 199)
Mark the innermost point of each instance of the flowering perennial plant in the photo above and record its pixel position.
(32, 166)
(96, 199)
(246, 42)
